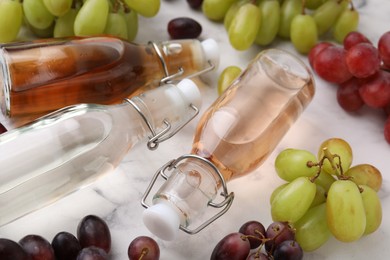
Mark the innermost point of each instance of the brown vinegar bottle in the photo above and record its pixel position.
(44, 75)
(234, 136)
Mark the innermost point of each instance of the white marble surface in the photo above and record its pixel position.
(116, 198)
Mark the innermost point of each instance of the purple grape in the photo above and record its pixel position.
(37, 247)
(288, 250)
(66, 246)
(10, 250)
(278, 232)
(2, 129)
(92, 253)
(93, 231)
(253, 228)
(184, 28)
(143, 247)
(195, 4)
(234, 246)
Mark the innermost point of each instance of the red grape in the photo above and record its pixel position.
(330, 65)
(143, 247)
(37, 247)
(184, 28)
(278, 232)
(253, 228)
(92, 253)
(66, 246)
(375, 91)
(258, 256)
(93, 231)
(348, 95)
(363, 60)
(354, 38)
(2, 129)
(288, 250)
(234, 246)
(317, 49)
(195, 3)
(387, 130)
(384, 48)
(10, 250)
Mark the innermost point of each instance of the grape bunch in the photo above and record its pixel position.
(361, 71)
(64, 18)
(254, 241)
(325, 195)
(260, 22)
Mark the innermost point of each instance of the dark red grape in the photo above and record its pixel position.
(317, 49)
(93, 231)
(143, 247)
(184, 28)
(278, 232)
(330, 65)
(253, 228)
(375, 91)
(2, 129)
(10, 250)
(384, 48)
(92, 253)
(348, 95)
(66, 246)
(232, 247)
(354, 38)
(258, 256)
(37, 247)
(387, 130)
(195, 3)
(288, 250)
(363, 60)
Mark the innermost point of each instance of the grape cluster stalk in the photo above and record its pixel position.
(66, 18)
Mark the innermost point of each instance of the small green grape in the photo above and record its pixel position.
(146, 8)
(37, 14)
(58, 7)
(91, 18)
(132, 24)
(288, 10)
(65, 24)
(116, 25)
(228, 75)
(270, 15)
(233, 9)
(347, 22)
(216, 9)
(326, 15)
(11, 18)
(303, 33)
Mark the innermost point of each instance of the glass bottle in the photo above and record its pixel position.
(233, 138)
(71, 147)
(49, 74)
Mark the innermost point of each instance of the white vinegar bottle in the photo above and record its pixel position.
(70, 148)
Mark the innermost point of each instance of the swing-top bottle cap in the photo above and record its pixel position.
(211, 50)
(162, 220)
(190, 91)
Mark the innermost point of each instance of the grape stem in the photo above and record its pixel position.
(335, 165)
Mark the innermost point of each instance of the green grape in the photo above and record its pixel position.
(313, 4)
(216, 9)
(227, 76)
(373, 209)
(336, 146)
(245, 24)
(320, 196)
(116, 25)
(91, 18)
(132, 24)
(41, 33)
(233, 9)
(345, 212)
(65, 24)
(347, 22)
(292, 163)
(303, 33)
(311, 231)
(276, 191)
(37, 14)
(288, 10)
(292, 202)
(146, 8)
(325, 180)
(270, 15)
(365, 174)
(11, 18)
(58, 7)
(326, 15)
